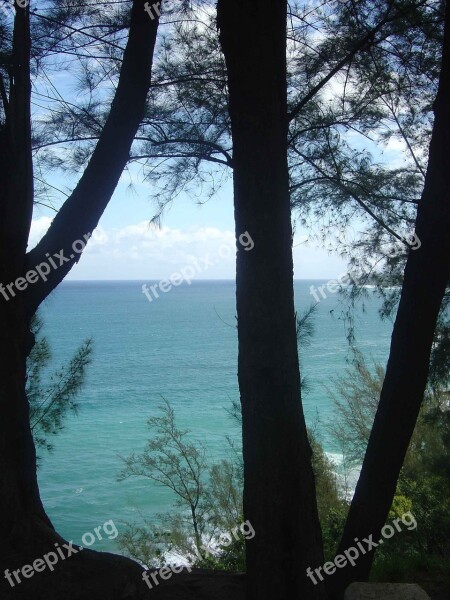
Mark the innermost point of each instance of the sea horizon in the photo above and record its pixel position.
(181, 347)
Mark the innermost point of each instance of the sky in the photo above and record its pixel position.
(126, 245)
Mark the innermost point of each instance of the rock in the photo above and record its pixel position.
(385, 591)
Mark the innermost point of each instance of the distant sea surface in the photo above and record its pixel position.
(181, 347)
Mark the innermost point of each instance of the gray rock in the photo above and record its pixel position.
(385, 591)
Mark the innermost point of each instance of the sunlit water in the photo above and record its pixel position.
(183, 347)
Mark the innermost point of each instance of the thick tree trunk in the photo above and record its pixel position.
(426, 277)
(21, 509)
(19, 494)
(81, 212)
(279, 491)
(23, 522)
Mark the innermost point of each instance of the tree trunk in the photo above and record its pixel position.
(279, 490)
(82, 211)
(19, 494)
(23, 522)
(425, 281)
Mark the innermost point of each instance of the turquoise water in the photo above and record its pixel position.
(183, 347)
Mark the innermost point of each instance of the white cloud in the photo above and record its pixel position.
(38, 229)
(143, 252)
(99, 238)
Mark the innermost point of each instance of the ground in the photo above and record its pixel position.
(102, 576)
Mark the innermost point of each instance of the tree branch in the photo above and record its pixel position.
(366, 40)
(81, 212)
(341, 184)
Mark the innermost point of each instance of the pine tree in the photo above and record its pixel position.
(52, 397)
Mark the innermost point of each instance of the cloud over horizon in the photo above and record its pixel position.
(143, 251)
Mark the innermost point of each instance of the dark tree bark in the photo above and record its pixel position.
(81, 212)
(425, 280)
(23, 522)
(19, 493)
(279, 490)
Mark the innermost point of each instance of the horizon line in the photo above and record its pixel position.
(193, 281)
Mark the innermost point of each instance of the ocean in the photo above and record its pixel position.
(181, 347)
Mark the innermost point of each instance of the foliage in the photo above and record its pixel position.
(50, 403)
(361, 77)
(207, 496)
(305, 332)
(332, 526)
(424, 484)
(327, 488)
(432, 573)
(355, 396)
(330, 504)
(207, 499)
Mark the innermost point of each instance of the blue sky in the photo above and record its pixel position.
(127, 246)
